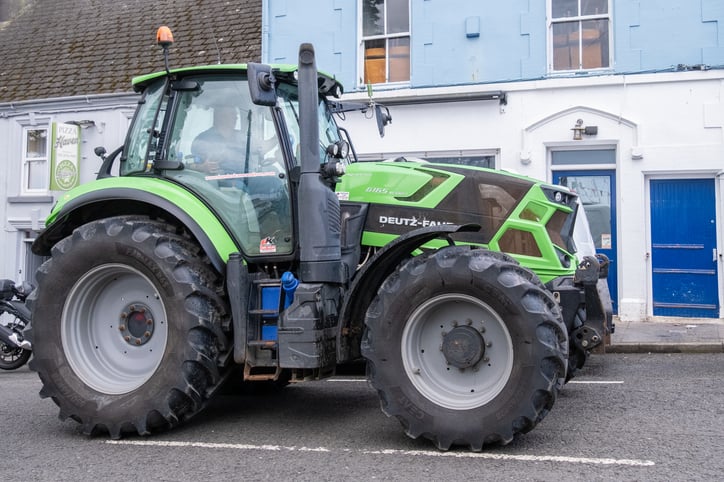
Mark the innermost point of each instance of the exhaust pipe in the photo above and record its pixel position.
(11, 338)
(318, 207)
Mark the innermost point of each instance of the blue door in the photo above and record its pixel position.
(597, 190)
(683, 248)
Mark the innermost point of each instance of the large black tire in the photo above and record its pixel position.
(465, 347)
(127, 323)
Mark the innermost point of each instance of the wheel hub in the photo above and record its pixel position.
(463, 347)
(136, 324)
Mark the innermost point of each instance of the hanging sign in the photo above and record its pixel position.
(65, 157)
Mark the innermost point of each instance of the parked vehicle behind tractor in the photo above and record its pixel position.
(265, 246)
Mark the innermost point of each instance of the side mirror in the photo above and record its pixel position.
(100, 151)
(383, 118)
(261, 84)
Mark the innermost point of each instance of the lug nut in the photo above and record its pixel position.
(122, 327)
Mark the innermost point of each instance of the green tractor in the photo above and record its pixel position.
(240, 240)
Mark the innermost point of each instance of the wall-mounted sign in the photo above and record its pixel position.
(65, 157)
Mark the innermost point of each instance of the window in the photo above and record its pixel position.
(386, 41)
(138, 154)
(35, 159)
(579, 34)
(477, 158)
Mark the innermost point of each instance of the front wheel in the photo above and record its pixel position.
(127, 326)
(465, 347)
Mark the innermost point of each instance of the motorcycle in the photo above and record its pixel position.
(15, 350)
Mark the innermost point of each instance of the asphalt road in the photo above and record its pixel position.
(628, 417)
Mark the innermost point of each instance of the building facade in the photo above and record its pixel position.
(621, 100)
(65, 88)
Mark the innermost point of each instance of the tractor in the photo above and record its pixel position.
(235, 236)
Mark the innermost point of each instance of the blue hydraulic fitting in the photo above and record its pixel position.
(289, 285)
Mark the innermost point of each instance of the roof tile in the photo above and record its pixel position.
(83, 47)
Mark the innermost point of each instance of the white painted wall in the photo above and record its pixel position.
(660, 124)
(22, 216)
(673, 123)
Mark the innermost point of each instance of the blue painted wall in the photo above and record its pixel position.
(647, 35)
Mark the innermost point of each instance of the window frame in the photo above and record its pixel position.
(435, 156)
(577, 18)
(25, 160)
(386, 37)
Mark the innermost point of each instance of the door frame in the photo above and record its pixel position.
(718, 178)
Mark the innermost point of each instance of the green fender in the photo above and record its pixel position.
(117, 196)
(370, 277)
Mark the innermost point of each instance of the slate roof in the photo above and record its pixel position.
(63, 48)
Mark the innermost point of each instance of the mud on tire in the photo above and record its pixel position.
(127, 327)
(465, 347)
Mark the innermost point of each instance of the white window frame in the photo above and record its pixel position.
(25, 160)
(578, 18)
(386, 37)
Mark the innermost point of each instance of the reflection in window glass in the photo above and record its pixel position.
(232, 159)
(37, 144)
(35, 159)
(594, 7)
(134, 159)
(477, 161)
(375, 61)
(399, 59)
(386, 41)
(594, 43)
(579, 34)
(595, 194)
(398, 16)
(373, 15)
(515, 241)
(564, 8)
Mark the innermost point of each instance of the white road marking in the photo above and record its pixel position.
(597, 382)
(414, 453)
(580, 382)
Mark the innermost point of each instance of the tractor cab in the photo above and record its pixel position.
(202, 129)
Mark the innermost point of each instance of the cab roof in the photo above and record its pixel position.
(284, 72)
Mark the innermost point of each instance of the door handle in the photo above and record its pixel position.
(713, 252)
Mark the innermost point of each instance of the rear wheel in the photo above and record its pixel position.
(127, 327)
(12, 357)
(475, 353)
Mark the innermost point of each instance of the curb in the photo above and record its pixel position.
(665, 348)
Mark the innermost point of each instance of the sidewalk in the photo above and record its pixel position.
(668, 335)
